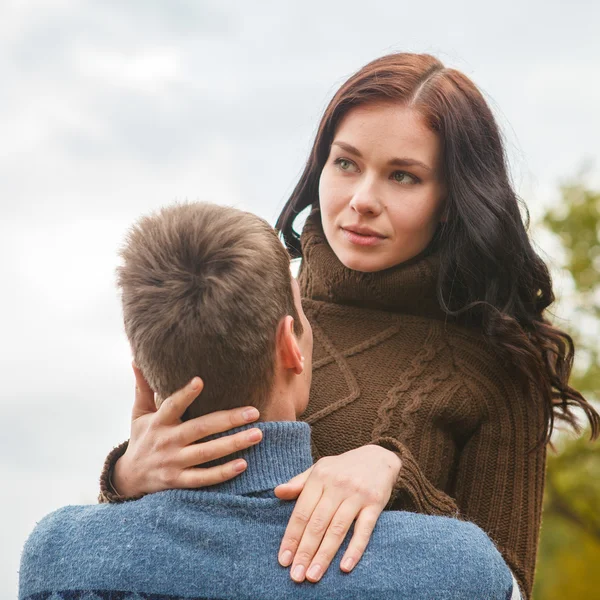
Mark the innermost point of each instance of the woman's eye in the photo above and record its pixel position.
(343, 163)
(402, 177)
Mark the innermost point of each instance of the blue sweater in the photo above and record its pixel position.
(222, 543)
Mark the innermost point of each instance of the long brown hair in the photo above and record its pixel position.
(490, 276)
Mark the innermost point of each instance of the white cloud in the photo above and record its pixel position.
(146, 69)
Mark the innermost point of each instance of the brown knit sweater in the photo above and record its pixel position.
(389, 369)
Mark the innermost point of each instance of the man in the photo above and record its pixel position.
(207, 290)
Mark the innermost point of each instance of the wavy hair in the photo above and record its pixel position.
(490, 276)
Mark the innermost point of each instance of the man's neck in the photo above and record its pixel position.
(283, 453)
(281, 405)
(278, 411)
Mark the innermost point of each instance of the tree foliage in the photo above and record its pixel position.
(569, 551)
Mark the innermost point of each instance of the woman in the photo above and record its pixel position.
(427, 304)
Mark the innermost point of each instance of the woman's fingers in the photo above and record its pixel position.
(198, 454)
(293, 488)
(299, 519)
(162, 448)
(173, 407)
(313, 536)
(336, 532)
(216, 422)
(358, 482)
(197, 478)
(365, 524)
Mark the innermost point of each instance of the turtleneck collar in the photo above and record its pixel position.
(408, 288)
(283, 453)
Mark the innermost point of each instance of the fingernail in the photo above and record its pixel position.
(195, 383)
(298, 573)
(348, 564)
(315, 572)
(239, 466)
(251, 414)
(254, 435)
(286, 558)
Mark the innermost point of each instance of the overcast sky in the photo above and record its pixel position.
(111, 109)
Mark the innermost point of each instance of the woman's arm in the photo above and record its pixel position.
(500, 480)
(162, 453)
(499, 484)
(412, 491)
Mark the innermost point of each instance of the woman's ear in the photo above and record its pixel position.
(445, 211)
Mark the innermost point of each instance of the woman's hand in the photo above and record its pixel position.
(162, 454)
(333, 493)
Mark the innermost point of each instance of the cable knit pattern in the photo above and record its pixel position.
(407, 420)
(415, 370)
(353, 389)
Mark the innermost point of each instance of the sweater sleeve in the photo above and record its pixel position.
(501, 474)
(412, 490)
(499, 482)
(108, 494)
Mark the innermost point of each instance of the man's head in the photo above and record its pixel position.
(207, 291)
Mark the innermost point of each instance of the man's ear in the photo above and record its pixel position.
(140, 381)
(288, 349)
(145, 399)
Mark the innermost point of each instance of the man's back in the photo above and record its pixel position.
(223, 543)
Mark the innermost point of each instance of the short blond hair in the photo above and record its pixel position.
(203, 290)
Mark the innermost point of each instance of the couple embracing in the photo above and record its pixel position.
(376, 429)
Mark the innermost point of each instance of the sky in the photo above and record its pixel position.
(109, 110)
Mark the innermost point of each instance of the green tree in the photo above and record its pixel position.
(569, 552)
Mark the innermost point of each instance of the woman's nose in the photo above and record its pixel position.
(364, 201)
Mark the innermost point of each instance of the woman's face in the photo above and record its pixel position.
(381, 191)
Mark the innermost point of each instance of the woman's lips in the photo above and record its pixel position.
(361, 239)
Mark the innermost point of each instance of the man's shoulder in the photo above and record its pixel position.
(139, 545)
(401, 532)
(71, 523)
(57, 528)
(407, 524)
(59, 523)
(75, 530)
(51, 541)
